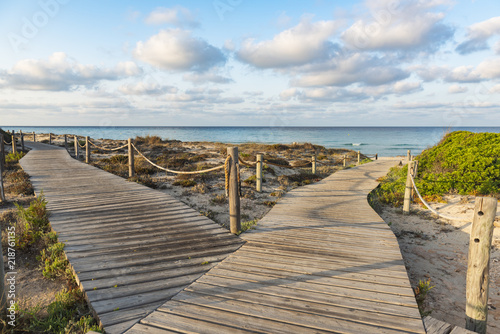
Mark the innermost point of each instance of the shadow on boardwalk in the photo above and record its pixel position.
(321, 261)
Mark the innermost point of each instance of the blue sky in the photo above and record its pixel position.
(259, 63)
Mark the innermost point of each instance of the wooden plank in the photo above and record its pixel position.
(294, 317)
(142, 329)
(327, 309)
(235, 319)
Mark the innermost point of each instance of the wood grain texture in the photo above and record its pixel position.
(131, 248)
(321, 261)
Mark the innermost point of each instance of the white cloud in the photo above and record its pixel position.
(463, 74)
(177, 16)
(406, 87)
(354, 68)
(456, 89)
(145, 88)
(430, 73)
(60, 73)
(489, 68)
(304, 43)
(208, 76)
(289, 93)
(399, 26)
(176, 49)
(478, 35)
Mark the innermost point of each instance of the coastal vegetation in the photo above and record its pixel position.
(463, 163)
(39, 254)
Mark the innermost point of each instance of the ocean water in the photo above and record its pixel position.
(385, 141)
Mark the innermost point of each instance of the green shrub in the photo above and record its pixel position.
(463, 162)
(67, 314)
(33, 222)
(185, 183)
(19, 183)
(13, 158)
(53, 261)
(119, 159)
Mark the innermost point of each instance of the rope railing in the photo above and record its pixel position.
(246, 163)
(176, 171)
(107, 149)
(428, 205)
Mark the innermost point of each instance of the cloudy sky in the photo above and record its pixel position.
(241, 62)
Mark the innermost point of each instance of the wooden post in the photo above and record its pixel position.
(2, 161)
(476, 310)
(408, 155)
(234, 196)
(65, 141)
(14, 147)
(87, 150)
(359, 157)
(50, 138)
(409, 186)
(415, 173)
(77, 154)
(34, 137)
(313, 162)
(131, 171)
(22, 140)
(345, 158)
(258, 173)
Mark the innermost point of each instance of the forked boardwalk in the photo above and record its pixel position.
(321, 261)
(131, 247)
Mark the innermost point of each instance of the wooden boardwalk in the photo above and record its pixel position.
(131, 248)
(321, 261)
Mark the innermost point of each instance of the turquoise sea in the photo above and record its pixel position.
(386, 141)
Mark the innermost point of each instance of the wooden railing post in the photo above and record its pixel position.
(2, 162)
(34, 137)
(234, 196)
(87, 150)
(50, 138)
(258, 173)
(408, 155)
(313, 162)
(345, 158)
(14, 147)
(77, 154)
(478, 268)
(409, 186)
(66, 141)
(131, 171)
(359, 157)
(22, 140)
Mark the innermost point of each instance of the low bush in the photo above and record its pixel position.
(462, 163)
(32, 223)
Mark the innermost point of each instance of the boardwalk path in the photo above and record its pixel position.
(131, 247)
(321, 261)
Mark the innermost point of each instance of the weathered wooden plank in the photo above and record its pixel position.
(143, 329)
(228, 318)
